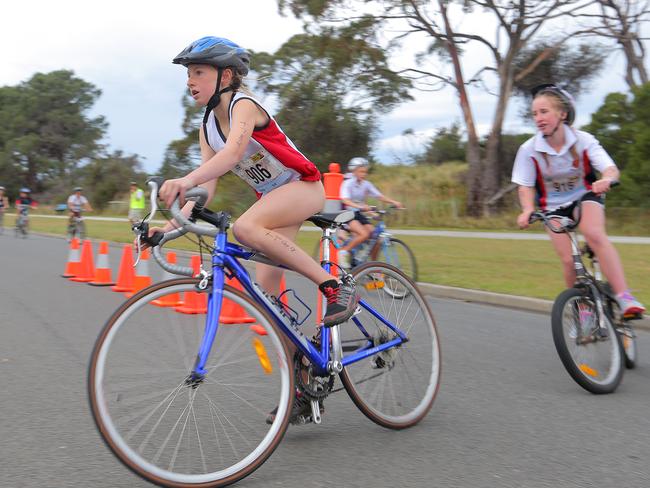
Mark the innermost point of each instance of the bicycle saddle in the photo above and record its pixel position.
(331, 219)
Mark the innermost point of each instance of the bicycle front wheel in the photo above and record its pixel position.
(394, 388)
(396, 253)
(594, 362)
(180, 433)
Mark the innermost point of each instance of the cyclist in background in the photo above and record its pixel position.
(23, 203)
(77, 203)
(4, 204)
(136, 203)
(556, 169)
(355, 191)
(239, 135)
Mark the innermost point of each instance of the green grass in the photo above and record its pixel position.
(525, 268)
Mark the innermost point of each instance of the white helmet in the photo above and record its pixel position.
(358, 162)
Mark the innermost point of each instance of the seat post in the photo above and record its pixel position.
(325, 244)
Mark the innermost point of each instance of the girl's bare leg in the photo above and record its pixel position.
(592, 226)
(285, 207)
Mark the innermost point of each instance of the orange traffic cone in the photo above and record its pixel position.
(103, 269)
(194, 302)
(142, 279)
(87, 266)
(74, 260)
(126, 275)
(173, 299)
(231, 313)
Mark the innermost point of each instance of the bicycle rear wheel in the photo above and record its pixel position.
(396, 387)
(595, 363)
(177, 433)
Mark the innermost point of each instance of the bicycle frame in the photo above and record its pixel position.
(584, 279)
(326, 361)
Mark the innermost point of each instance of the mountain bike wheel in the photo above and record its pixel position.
(594, 363)
(625, 332)
(396, 387)
(629, 347)
(398, 254)
(208, 434)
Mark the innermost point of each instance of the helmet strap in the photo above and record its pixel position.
(214, 102)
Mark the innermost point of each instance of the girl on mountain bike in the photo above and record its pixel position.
(239, 135)
(556, 169)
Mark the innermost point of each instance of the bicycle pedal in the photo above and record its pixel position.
(357, 310)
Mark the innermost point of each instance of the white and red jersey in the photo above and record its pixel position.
(271, 159)
(564, 176)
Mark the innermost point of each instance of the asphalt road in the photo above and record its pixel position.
(507, 414)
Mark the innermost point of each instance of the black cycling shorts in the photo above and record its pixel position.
(567, 211)
(359, 216)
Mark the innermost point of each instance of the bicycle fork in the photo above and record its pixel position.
(215, 301)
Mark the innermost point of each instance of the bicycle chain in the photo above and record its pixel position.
(317, 387)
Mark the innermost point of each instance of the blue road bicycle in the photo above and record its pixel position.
(381, 246)
(182, 399)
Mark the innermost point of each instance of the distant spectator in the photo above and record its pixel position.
(136, 204)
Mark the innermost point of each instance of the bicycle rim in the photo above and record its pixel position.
(398, 254)
(173, 434)
(594, 363)
(394, 388)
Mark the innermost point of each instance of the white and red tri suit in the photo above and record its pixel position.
(560, 177)
(271, 158)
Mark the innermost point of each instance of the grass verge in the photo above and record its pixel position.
(524, 268)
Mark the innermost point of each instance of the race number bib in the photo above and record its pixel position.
(565, 185)
(263, 171)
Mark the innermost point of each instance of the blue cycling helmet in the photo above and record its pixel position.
(25, 190)
(220, 53)
(215, 51)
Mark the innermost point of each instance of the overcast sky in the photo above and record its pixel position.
(125, 49)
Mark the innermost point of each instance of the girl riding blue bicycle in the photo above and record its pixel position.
(239, 135)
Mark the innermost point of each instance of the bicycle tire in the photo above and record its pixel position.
(597, 366)
(398, 254)
(630, 350)
(118, 385)
(625, 332)
(383, 386)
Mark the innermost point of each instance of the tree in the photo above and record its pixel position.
(46, 132)
(572, 67)
(621, 21)
(330, 89)
(517, 24)
(446, 145)
(109, 176)
(622, 125)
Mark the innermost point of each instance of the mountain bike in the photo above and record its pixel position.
(182, 399)
(21, 228)
(381, 246)
(76, 226)
(593, 339)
